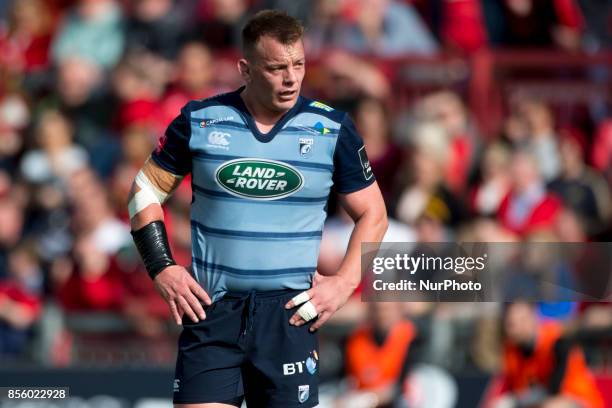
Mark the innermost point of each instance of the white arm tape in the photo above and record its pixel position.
(148, 194)
(307, 311)
(301, 298)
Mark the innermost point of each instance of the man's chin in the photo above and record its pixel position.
(284, 105)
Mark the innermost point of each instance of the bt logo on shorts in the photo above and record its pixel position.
(298, 367)
(293, 368)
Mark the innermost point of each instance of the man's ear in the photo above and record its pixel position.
(244, 69)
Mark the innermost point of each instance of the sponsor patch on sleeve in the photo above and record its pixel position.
(320, 105)
(365, 163)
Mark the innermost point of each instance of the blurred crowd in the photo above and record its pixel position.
(88, 86)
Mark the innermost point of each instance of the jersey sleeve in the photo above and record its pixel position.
(352, 171)
(172, 152)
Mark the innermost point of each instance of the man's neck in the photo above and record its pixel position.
(262, 116)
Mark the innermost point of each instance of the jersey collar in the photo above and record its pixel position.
(250, 121)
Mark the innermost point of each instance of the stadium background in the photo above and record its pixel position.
(443, 92)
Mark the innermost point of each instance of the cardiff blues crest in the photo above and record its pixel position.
(303, 393)
(306, 146)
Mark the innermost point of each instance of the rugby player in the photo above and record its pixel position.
(263, 160)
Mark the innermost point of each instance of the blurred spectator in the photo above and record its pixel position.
(92, 31)
(542, 137)
(95, 282)
(93, 215)
(372, 119)
(49, 223)
(527, 207)
(137, 144)
(425, 192)
(155, 25)
(139, 81)
(78, 80)
(14, 117)
(495, 184)
(25, 41)
(542, 270)
(82, 96)
(531, 126)
(384, 28)
(220, 22)
(347, 77)
(20, 300)
(321, 25)
(57, 157)
(47, 170)
(539, 23)
(379, 354)
(579, 186)
(459, 24)
(447, 109)
(432, 226)
(193, 79)
(540, 367)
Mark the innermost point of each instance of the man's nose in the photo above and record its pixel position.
(290, 76)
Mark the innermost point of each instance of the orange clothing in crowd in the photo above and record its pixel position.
(373, 365)
(521, 371)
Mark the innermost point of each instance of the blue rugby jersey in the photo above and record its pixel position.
(260, 200)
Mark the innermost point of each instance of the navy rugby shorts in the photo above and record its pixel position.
(246, 349)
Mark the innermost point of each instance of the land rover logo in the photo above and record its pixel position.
(259, 179)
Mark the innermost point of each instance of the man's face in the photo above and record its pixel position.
(274, 73)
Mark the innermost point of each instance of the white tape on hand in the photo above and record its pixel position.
(307, 311)
(301, 298)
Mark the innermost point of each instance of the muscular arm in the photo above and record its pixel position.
(360, 196)
(330, 293)
(165, 182)
(367, 208)
(174, 283)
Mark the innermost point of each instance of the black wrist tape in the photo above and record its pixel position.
(152, 243)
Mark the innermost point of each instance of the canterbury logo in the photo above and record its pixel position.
(218, 138)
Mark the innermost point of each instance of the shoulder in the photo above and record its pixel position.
(322, 109)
